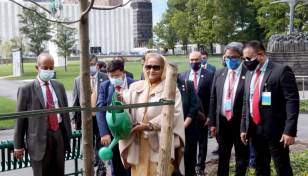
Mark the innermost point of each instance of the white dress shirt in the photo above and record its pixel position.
(54, 96)
(237, 74)
(263, 69)
(191, 75)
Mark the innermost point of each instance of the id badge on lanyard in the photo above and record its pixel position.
(227, 105)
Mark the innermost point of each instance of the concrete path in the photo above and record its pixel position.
(9, 89)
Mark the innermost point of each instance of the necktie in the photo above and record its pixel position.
(195, 80)
(93, 95)
(52, 119)
(229, 113)
(118, 88)
(255, 100)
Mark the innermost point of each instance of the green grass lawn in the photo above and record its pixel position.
(7, 106)
(73, 69)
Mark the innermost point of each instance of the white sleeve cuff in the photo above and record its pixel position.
(18, 150)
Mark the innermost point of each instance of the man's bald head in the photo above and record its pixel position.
(195, 54)
(43, 58)
(44, 62)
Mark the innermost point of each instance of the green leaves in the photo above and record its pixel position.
(36, 29)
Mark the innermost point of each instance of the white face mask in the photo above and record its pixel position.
(46, 75)
(93, 70)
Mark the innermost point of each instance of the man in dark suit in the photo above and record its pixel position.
(128, 74)
(47, 136)
(96, 79)
(226, 110)
(202, 79)
(205, 64)
(120, 82)
(270, 110)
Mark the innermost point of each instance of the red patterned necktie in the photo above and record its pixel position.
(118, 88)
(195, 80)
(255, 100)
(229, 113)
(52, 118)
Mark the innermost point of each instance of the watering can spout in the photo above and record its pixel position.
(120, 124)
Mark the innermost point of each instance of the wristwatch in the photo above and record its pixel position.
(150, 127)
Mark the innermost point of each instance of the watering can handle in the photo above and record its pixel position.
(115, 94)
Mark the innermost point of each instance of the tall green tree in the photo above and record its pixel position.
(165, 32)
(36, 29)
(65, 41)
(275, 18)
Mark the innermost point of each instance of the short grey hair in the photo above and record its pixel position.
(195, 52)
(173, 64)
(235, 46)
(39, 57)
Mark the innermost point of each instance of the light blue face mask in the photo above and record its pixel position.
(46, 75)
(93, 70)
(116, 82)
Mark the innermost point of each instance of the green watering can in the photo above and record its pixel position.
(120, 124)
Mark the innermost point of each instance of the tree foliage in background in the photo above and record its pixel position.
(65, 41)
(165, 32)
(206, 22)
(36, 29)
(6, 49)
(275, 18)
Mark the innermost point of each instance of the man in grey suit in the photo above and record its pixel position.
(47, 136)
(96, 79)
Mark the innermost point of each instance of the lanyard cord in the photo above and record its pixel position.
(255, 86)
(238, 76)
(52, 93)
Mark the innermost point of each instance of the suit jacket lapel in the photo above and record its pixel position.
(58, 94)
(265, 77)
(221, 83)
(241, 81)
(99, 81)
(202, 76)
(38, 92)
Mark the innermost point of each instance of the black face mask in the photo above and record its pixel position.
(251, 65)
(103, 70)
(224, 63)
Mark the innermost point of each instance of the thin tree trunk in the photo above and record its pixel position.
(87, 128)
(65, 64)
(167, 124)
(212, 49)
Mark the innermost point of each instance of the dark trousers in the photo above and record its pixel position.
(229, 135)
(96, 138)
(54, 158)
(203, 130)
(117, 168)
(264, 149)
(189, 155)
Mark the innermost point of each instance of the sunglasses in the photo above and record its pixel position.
(155, 67)
(249, 58)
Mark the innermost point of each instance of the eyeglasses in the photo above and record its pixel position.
(155, 67)
(232, 57)
(249, 58)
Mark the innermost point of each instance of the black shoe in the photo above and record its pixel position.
(215, 151)
(210, 135)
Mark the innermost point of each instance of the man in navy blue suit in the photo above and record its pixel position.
(205, 64)
(202, 79)
(120, 82)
